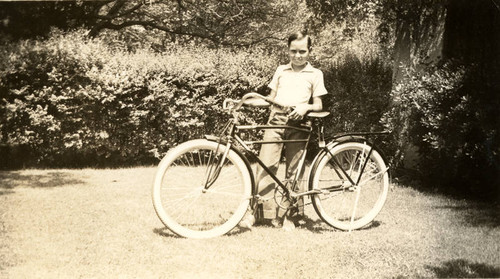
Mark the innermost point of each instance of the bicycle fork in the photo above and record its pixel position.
(214, 167)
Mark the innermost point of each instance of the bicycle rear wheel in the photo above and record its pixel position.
(184, 202)
(343, 204)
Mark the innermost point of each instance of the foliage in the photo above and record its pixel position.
(76, 101)
(217, 23)
(227, 22)
(360, 93)
(450, 115)
(71, 101)
(29, 19)
(349, 28)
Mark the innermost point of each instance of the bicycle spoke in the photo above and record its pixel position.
(355, 207)
(223, 193)
(351, 161)
(192, 158)
(229, 186)
(373, 176)
(178, 188)
(199, 157)
(186, 208)
(187, 160)
(184, 197)
(350, 206)
(178, 206)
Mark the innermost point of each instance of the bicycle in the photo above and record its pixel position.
(204, 187)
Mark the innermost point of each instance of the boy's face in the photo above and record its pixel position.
(299, 52)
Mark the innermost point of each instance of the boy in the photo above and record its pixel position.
(293, 85)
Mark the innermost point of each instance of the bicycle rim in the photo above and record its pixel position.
(179, 196)
(343, 205)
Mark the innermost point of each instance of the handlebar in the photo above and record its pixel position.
(240, 103)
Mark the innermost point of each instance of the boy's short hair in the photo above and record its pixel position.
(299, 36)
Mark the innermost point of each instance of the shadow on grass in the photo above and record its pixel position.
(372, 225)
(476, 214)
(464, 269)
(165, 232)
(318, 226)
(11, 180)
(5, 192)
(315, 226)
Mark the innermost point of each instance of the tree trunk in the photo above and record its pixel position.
(419, 37)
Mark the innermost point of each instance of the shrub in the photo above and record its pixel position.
(76, 102)
(72, 101)
(360, 94)
(449, 114)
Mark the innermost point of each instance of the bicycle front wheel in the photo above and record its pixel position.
(201, 189)
(353, 183)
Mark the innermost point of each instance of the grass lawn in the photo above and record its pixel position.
(101, 224)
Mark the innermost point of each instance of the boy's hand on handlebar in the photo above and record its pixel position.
(299, 111)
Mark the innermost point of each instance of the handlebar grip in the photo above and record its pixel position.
(226, 101)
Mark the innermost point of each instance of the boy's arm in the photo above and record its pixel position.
(303, 109)
(317, 104)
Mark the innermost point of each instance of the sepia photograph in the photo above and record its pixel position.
(250, 139)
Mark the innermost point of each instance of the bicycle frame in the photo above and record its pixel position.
(244, 144)
(232, 135)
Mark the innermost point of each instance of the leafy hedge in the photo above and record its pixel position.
(360, 94)
(70, 101)
(450, 113)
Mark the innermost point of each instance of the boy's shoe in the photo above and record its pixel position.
(288, 224)
(248, 222)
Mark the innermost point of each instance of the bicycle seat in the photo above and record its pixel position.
(319, 114)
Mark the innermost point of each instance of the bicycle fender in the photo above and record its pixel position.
(356, 138)
(337, 141)
(213, 138)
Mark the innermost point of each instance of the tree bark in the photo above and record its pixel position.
(419, 37)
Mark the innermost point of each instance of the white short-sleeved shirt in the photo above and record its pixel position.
(293, 88)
